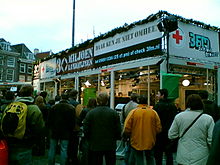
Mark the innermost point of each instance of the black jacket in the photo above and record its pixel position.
(166, 111)
(214, 158)
(61, 120)
(211, 109)
(102, 128)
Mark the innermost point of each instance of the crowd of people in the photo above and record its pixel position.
(88, 135)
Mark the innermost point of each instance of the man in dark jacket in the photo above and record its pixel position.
(102, 129)
(214, 158)
(166, 111)
(74, 138)
(210, 107)
(61, 123)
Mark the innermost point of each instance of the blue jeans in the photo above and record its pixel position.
(137, 157)
(20, 156)
(52, 151)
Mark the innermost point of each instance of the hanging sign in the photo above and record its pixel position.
(194, 42)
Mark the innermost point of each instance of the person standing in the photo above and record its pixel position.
(193, 146)
(61, 123)
(166, 111)
(102, 128)
(40, 146)
(142, 125)
(210, 107)
(9, 98)
(20, 150)
(74, 138)
(132, 104)
(83, 142)
(214, 158)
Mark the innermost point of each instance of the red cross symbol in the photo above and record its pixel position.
(177, 36)
(43, 69)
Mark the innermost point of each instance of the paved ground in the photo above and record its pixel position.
(42, 160)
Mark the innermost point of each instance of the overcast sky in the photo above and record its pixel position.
(47, 24)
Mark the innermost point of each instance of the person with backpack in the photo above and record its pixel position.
(21, 129)
(9, 98)
(166, 110)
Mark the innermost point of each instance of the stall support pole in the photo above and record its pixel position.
(44, 88)
(55, 89)
(207, 80)
(77, 85)
(148, 86)
(99, 83)
(163, 69)
(218, 84)
(112, 91)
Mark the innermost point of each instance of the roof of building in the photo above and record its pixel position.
(42, 55)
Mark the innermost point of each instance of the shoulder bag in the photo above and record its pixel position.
(172, 145)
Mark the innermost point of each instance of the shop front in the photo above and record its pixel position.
(142, 59)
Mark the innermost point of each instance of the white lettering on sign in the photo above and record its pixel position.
(127, 37)
(136, 35)
(74, 61)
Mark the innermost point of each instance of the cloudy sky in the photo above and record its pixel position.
(47, 24)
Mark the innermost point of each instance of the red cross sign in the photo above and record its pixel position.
(177, 36)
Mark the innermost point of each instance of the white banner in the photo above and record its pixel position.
(136, 35)
(48, 68)
(194, 42)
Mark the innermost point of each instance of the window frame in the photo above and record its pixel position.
(29, 67)
(11, 74)
(1, 74)
(22, 65)
(8, 62)
(1, 60)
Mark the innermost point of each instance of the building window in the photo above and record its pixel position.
(10, 75)
(11, 62)
(22, 78)
(29, 56)
(1, 60)
(22, 68)
(29, 78)
(1, 74)
(29, 69)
